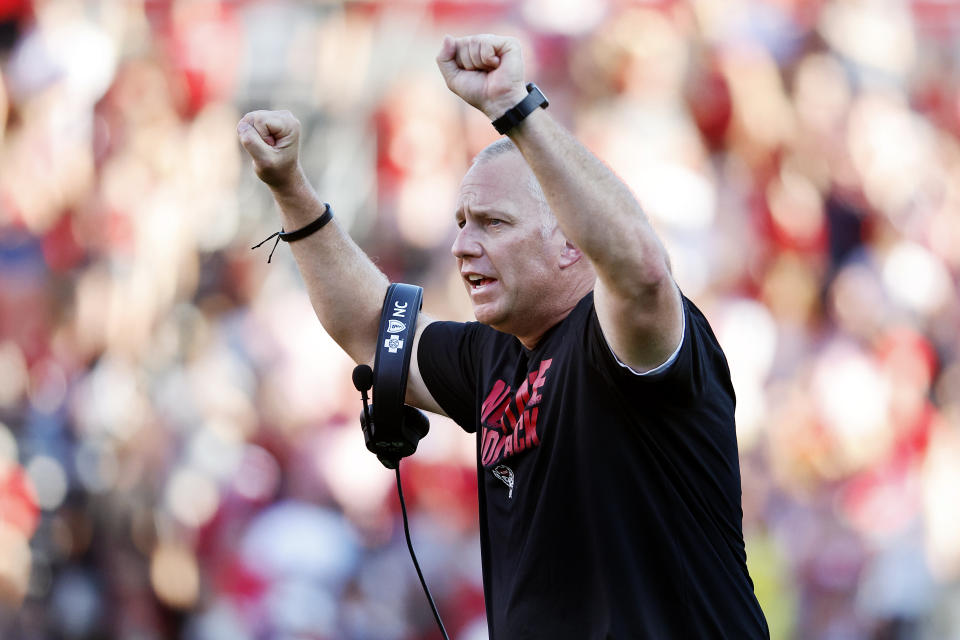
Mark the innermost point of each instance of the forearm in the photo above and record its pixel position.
(346, 289)
(594, 208)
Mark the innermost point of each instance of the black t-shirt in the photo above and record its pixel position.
(609, 501)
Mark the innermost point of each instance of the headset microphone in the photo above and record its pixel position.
(363, 381)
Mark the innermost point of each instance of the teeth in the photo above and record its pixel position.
(474, 278)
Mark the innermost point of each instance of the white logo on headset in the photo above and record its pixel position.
(395, 326)
(393, 344)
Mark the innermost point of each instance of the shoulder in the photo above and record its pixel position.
(696, 362)
(466, 347)
(445, 334)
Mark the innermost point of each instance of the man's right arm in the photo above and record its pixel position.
(346, 289)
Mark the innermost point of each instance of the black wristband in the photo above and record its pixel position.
(521, 110)
(305, 231)
(300, 233)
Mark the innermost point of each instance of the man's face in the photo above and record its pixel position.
(508, 257)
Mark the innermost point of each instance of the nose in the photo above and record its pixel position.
(465, 244)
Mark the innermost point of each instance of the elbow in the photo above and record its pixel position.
(654, 270)
(652, 281)
(644, 275)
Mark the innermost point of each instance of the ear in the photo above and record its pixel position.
(569, 255)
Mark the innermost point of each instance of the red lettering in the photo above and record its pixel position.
(522, 397)
(530, 429)
(493, 406)
(540, 380)
(521, 425)
(498, 450)
(517, 420)
(511, 420)
(490, 438)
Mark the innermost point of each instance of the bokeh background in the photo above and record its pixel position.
(180, 454)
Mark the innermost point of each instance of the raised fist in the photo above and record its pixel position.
(486, 71)
(272, 140)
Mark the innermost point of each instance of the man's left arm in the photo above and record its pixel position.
(638, 303)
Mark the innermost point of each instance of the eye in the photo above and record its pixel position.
(494, 222)
(460, 223)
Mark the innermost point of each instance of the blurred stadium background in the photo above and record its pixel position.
(179, 449)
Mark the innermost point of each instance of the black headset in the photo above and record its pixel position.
(391, 428)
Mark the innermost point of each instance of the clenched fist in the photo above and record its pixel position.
(272, 140)
(486, 71)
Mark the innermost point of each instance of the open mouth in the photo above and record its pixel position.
(477, 281)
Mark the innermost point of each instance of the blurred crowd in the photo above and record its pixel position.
(180, 452)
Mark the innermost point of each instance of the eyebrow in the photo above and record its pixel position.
(485, 214)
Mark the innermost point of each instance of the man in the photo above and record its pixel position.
(606, 448)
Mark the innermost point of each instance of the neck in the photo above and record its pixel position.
(565, 304)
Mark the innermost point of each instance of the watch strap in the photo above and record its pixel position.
(521, 110)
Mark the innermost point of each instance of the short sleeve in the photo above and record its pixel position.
(448, 365)
(699, 364)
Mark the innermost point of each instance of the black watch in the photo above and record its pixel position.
(521, 110)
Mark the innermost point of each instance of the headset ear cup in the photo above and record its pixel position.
(369, 437)
(415, 422)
